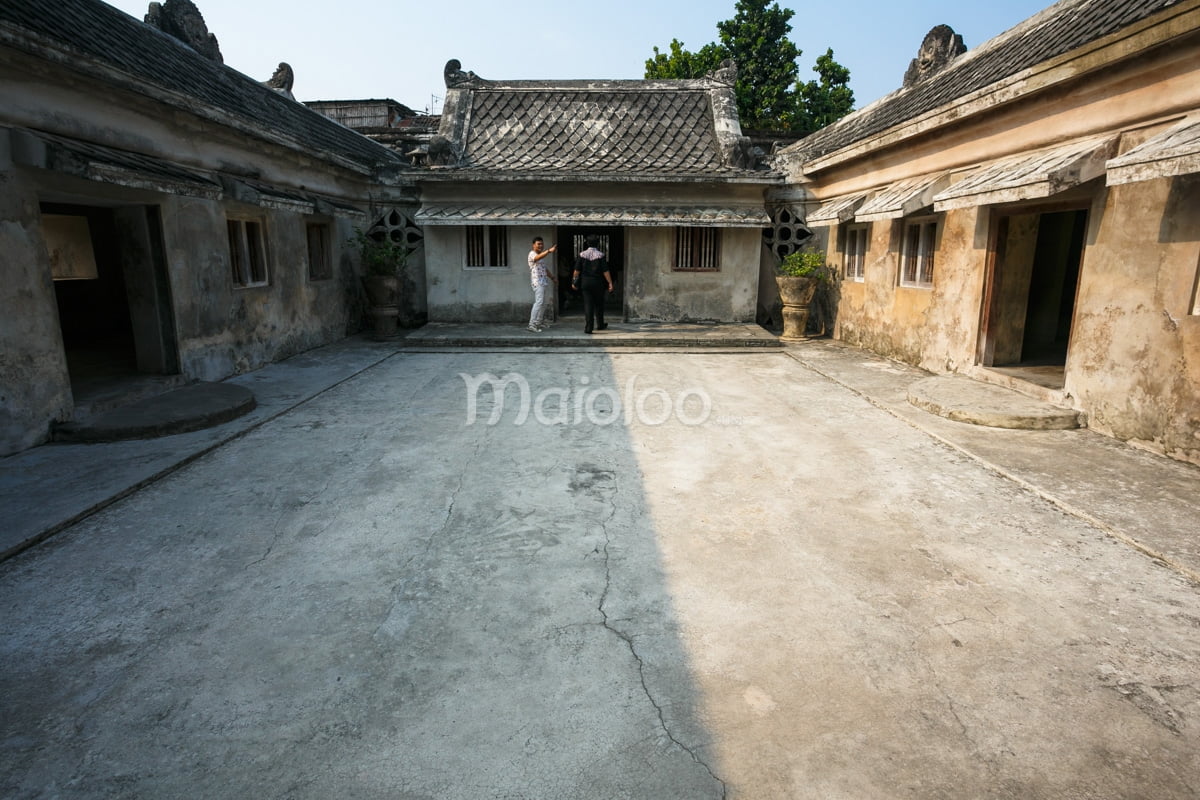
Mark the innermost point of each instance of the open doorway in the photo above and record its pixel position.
(114, 307)
(571, 243)
(1032, 288)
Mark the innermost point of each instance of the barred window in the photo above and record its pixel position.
(247, 252)
(320, 258)
(856, 251)
(698, 249)
(916, 266)
(487, 246)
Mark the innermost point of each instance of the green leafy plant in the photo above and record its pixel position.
(380, 256)
(807, 264)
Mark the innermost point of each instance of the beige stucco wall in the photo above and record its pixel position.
(1134, 350)
(1134, 362)
(936, 327)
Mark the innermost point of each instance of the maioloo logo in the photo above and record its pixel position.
(571, 405)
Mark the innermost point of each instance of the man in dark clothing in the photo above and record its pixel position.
(592, 275)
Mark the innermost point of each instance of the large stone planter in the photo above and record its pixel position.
(383, 295)
(796, 292)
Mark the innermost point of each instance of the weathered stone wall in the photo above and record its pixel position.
(931, 327)
(34, 387)
(651, 289)
(223, 330)
(1134, 362)
(484, 294)
(655, 291)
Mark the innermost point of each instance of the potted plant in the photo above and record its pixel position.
(798, 276)
(383, 261)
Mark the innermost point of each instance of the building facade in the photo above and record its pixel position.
(1030, 215)
(658, 170)
(163, 217)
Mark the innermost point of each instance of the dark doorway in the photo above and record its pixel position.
(114, 306)
(571, 243)
(1032, 290)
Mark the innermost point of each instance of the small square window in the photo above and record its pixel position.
(698, 249)
(857, 237)
(917, 257)
(487, 246)
(320, 258)
(247, 253)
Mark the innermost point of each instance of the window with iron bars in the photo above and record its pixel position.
(697, 249)
(857, 237)
(247, 253)
(917, 257)
(487, 246)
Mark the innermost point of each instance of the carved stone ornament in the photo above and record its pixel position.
(282, 80)
(182, 20)
(455, 76)
(441, 152)
(727, 73)
(940, 46)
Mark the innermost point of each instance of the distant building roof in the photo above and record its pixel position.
(1059, 29)
(99, 40)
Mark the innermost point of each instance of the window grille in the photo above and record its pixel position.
(920, 242)
(487, 246)
(247, 253)
(856, 251)
(698, 249)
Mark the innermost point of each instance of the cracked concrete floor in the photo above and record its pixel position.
(799, 597)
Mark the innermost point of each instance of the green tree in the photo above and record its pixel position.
(826, 100)
(769, 94)
(681, 63)
(756, 38)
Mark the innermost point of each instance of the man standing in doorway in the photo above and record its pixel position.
(541, 279)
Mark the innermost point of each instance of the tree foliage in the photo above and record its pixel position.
(769, 94)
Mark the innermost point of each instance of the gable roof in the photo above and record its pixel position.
(598, 130)
(1059, 29)
(92, 37)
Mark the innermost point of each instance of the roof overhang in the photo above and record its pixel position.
(104, 164)
(638, 216)
(838, 209)
(902, 198)
(1173, 152)
(1029, 177)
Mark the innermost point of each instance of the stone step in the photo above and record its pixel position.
(190, 408)
(966, 400)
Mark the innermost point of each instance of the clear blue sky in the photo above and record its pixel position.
(361, 49)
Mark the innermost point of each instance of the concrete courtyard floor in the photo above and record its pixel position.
(768, 577)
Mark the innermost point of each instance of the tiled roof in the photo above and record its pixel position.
(1173, 152)
(642, 216)
(1063, 27)
(89, 32)
(605, 129)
